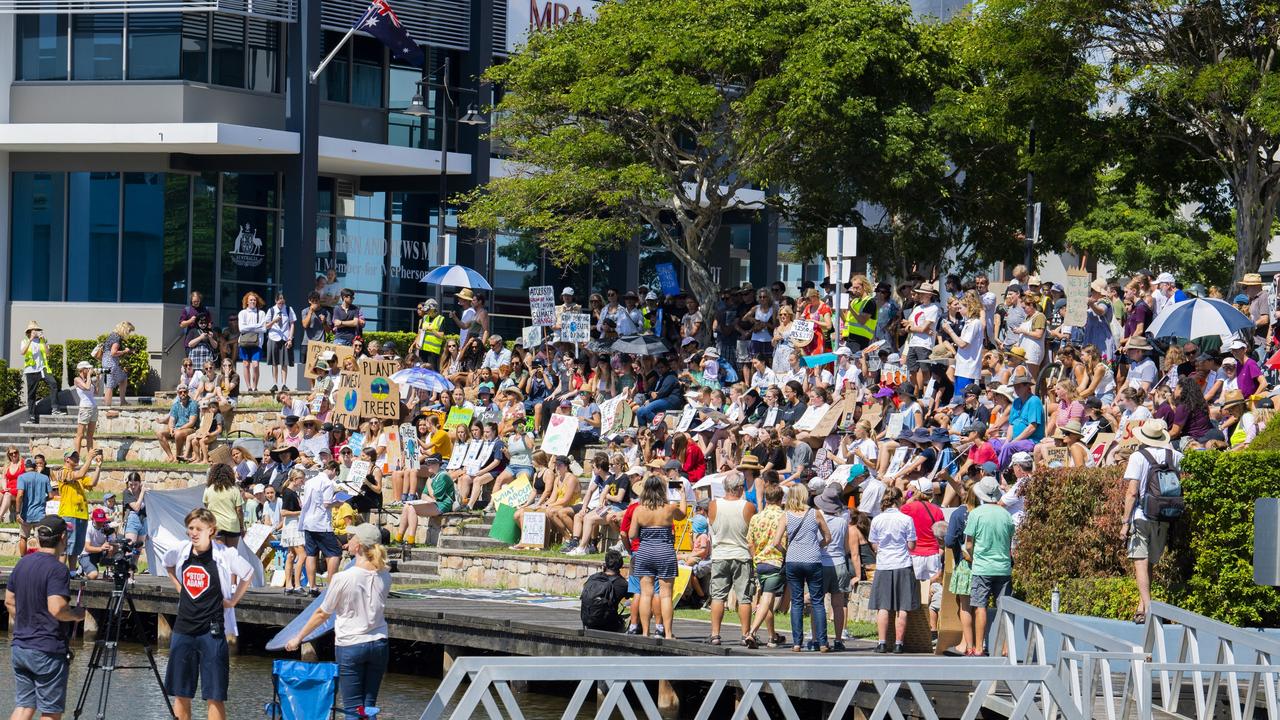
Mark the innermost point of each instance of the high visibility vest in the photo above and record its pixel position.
(851, 326)
(29, 355)
(431, 343)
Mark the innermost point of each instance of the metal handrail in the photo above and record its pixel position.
(1036, 690)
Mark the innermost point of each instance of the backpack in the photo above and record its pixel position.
(1162, 489)
(600, 604)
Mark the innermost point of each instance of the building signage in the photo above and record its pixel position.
(528, 16)
(246, 249)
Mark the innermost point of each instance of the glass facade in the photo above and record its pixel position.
(202, 47)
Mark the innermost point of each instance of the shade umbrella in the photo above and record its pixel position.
(640, 345)
(1197, 318)
(423, 379)
(457, 276)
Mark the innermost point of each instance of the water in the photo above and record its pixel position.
(134, 694)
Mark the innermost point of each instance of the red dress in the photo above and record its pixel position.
(11, 473)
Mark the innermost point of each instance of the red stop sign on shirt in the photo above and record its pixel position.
(196, 581)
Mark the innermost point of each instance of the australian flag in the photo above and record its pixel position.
(381, 22)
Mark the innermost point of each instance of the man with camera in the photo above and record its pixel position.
(35, 368)
(97, 542)
(38, 598)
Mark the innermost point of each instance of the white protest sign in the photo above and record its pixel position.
(899, 459)
(1077, 289)
(533, 531)
(256, 536)
(840, 474)
(558, 439)
(705, 425)
(894, 427)
(475, 457)
(542, 305)
(575, 327)
(686, 418)
(713, 484)
(812, 416)
(459, 454)
(532, 336)
(801, 333)
(360, 469)
(842, 241)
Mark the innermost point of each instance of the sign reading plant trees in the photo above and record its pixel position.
(379, 395)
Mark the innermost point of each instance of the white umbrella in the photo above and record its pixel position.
(1197, 318)
(457, 276)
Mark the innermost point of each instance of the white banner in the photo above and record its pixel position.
(801, 332)
(575, 327)
(560, 432)
(542, 305)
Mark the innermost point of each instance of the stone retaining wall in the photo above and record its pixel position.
(536, 574)
(142, 420)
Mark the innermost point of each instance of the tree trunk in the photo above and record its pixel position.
(1255, 205)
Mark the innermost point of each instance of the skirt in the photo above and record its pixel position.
(291, 536)
(895, 589)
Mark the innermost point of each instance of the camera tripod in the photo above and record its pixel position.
(105, 648)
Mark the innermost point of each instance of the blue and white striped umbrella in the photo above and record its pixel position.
(1197, 318)
(423, 379)
(457, 276)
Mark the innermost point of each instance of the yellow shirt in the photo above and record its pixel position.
(71, 500)
(439, 443)
(342, 517)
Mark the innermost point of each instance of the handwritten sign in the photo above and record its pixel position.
(1088, 431)
(379, 396)
(899, 459)
(668, 280)
(542, 305)
(409, 441)
(1098, 452)
(531, 336)
(615, 416)
(356, 442)
(515, 493)
(559, 434)
(346, 401)
(533, 531)
(360, 470)
(1056, 457)
(801, 333)
(316, 348)
(1077, 289)
(893, 428)
(459, 454)
(458, 416)
(477, 457)
(686, 418)
(575, 327)
(256, 536)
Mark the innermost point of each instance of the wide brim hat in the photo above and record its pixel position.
(1072, 427)
(1099, 286)
(465, 294)
(33, 325)
(1251, 279)
(927, 287)
(750, 462)
(1153, 433)
(942, 355)
(1137, 342)
(281, 450)
(1016, 353)
(1005, 392)
(1233, 397)
(987, 489)
(310, 420)
(829, 500)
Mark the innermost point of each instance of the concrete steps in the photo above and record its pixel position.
(467, 542)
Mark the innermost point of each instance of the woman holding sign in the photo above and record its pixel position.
(483, 469)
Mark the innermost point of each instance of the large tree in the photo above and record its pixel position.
(659, 113)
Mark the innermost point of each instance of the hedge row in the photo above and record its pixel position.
(137, 364)
(404, 339)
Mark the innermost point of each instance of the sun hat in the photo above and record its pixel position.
(651, 295)
(320, 365)
(258, 488)
(989, 468)
(1099, 286)
(1165, 277)
(884, 392)
(1237, 344)
(712, 353)
(920, 435)
(366, 534)
(1153, 433)
(844, 350)
(1137, 342)
(1251, 279)
(1071, 426)
(1022, 458)
(1228, 360)
(1005, 392)
(829, 500)
(465, 294)
(33, 326)
(1233, 397)
(927, 287)
(939, 434)
(1016, 353)
(750, 462)
(987, 490)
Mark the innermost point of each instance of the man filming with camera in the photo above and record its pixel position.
(97, 542)
(38, 599)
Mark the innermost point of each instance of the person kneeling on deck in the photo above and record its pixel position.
(210, 578)
(601, 595)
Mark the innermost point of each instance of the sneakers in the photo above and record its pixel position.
(569, 545)
(658, 631)
(591, 549)
(59, 411)
(284, 388)
(274, 389)
(633, 629)
(898, 649)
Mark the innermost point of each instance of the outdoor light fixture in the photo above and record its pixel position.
(473, 117)
(417, 106)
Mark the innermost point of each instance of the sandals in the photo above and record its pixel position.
(715, 640)
(750, 642)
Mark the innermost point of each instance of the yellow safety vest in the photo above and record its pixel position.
(851, 326)
(431, 343)
(29, 356)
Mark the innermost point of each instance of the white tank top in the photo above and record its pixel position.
(764, 317)
(729, 531)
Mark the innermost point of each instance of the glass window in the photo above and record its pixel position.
(42, 47)
(155, 41)
(155, 237)
(369, 205)
(97, 47)
(403, 130)
(249, 238)
(195, 46)
(257, 189)
(204, 234)
(337, 78)
(39, 213)
(366, 73)
(264, 56)
(93, 236)
(228, 50)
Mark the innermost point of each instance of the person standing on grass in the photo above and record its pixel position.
(654, 560)
(894, 589)
(988, 548)
(356, 599)
(38, 598)
(280, 323)
(210, 579)
(33, 493)
(804, 533)
(73, 484)
(731, 566)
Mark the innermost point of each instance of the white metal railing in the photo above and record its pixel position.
(1219, 661)
(280, 10)
(1035, 691)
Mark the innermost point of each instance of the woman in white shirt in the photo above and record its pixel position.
(280, 322)
(253, 330)
(356, 599)
(894, 589)
(968, 343)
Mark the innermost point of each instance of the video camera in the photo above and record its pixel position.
(122, 558)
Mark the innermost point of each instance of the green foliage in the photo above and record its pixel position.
(80, 351)
(1082, 509)
(12, 393)
(402, 339)
(1220, 489)
(56, 368)
(1267, 440)
(137, 364)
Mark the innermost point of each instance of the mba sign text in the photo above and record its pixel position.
(527, 16)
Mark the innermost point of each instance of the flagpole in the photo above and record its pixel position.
(329, 58)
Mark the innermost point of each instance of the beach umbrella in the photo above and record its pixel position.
(640, 345)
(816, 360)
(423, 379)
(1197, 318)
(457, 276)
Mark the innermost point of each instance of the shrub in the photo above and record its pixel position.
(56, 368)
(1220, 489)
(1268, 439)
(11, 389)
(137, 365)
(402, 339)
(1071, 537)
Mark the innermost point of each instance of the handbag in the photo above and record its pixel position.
(250, 340)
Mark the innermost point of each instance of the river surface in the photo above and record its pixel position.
(135, 696)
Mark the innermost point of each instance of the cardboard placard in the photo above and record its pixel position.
(358, 471)
(531, 336)
(560, 432)
(476, 460)
(712, 484)
(378, 366)
(379, 397)
(315, 348)
(832, 417)
(1056, 457)
(533, 531)
(1098, 453)
(615, 417)
(575, 327)
(899, 459)
(893, 428)
(515, 493)
(811, 417)
(873, 414)
(1127, 436)
(686, 418)
(1077, 289)
(801, 333)
(256, 536)
(542, 305)
(346, 401)
(458, 416)
(409, 441)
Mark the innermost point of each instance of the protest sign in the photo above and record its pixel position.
(409, 441)
(615, 416)
(360, 469)
(801, 333)
(379, 396)
(355, 441)
(458, 416)
(713, 485)
(575, 327)
(459, 454)
(533, 531)
(1088, 431)
(873, 414)
(542, 305)
(810, 419)
(894, 426)
(346, 401)
(899, 459)
(531, 336)
(559, 434)
(1098, 452)
(831, 417)
(668, 280)
(515, 493)
(256, 536)
(686, 418)
(1056, 457)
(1077, 287)
(315, 349)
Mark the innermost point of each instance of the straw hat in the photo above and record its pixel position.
(1072, 427)
(1099, 286)
(1251, 279)
(466, 294)
(942, 354)
(1153, 433)
(1137, 342)
(750, 462)
(927, 287)
(1016, 353)
(33, 326)
(1233, 397)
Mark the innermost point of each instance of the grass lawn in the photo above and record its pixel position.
(552, 554)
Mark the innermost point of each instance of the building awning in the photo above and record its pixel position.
(339, 156)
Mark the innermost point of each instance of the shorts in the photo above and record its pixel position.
(253, 354)
(39, 680)
(917, 356)
(134, 525)
(935, 597)
(763, 350)
(735, 575)
(321, 544)
(837, 578)
(278, 352)
(77, 528)
(926, 566)
(984, 588)
(201, 657)
(961, 578)
(1035, 353)
(225, 535)
(89, 563)
(771, 578)
(517, 470)
(87, 415)
(24, 528)
(291, 536)
(895, 590)
(1147, 540)
(633, 584)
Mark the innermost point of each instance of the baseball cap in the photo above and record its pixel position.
(259, 487)
(923, 485)
(651, 295)
(672, 465)
(1165, 277)
(71, 455)
(567, 291)
(98, 515)
(51, 526)
(1237, 344)
(1240, 299)
(366, 534)
(1022, 458)
(432, 459)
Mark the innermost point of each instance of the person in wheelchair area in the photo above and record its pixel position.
(97, 543)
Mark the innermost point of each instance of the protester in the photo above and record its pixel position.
(654, 560)
(36, 371)
(894, 589)
(988, 546)
(731, 566)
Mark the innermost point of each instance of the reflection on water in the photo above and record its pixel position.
(134, 694)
